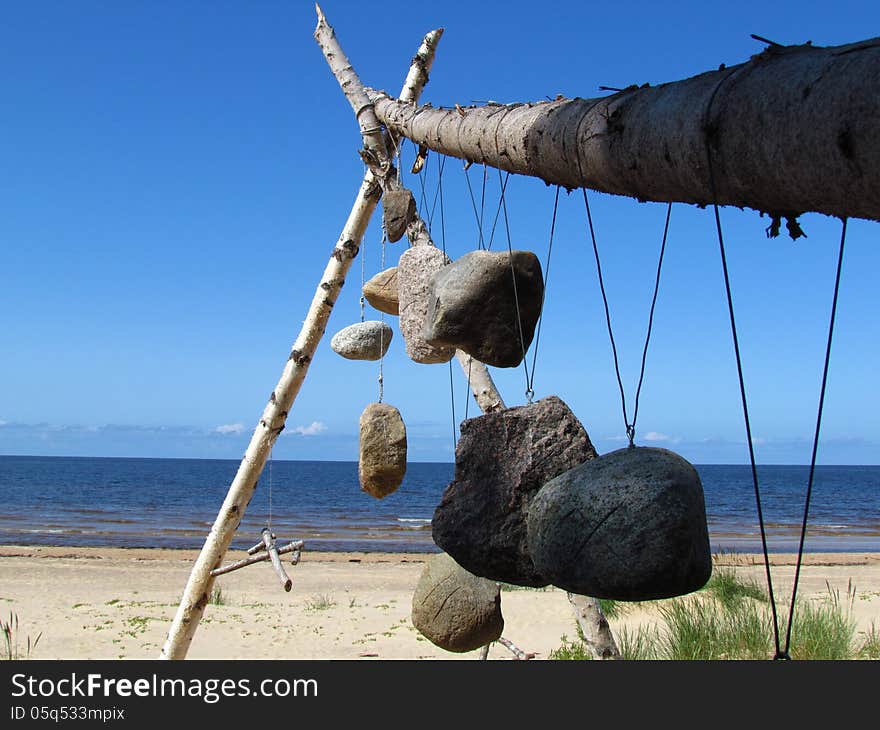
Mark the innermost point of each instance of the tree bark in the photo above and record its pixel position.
(198, 587)
(793, 130)
(594, 626)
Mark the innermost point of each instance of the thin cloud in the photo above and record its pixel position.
(657, 436)
(313, 429)
(235, 428)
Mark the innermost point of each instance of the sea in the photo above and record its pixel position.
(172, 503)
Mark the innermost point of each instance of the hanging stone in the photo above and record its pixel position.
(472, 305)
(629, 526)
(415, 268)
(382, 459)
(454, 609)
(363, 341)
(501, 461)
(381, 291)
(398, 209)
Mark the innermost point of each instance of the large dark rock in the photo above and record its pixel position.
(472, 305)
(629, 525)
(501, 461)
(382, 456)
(415, 268)
(454, 609)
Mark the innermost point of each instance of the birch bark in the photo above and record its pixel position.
(198, 587)
(793, 130)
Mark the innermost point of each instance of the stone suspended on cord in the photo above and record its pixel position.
(629, 525)
(415, 268)
(381, 291)
(363, 341)
(398, 209)
(472, 305)
(455, 609)
(501, 461)
(382, 457)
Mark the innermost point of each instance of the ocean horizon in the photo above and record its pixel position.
(146, 502)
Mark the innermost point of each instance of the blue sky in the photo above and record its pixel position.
(174, 176)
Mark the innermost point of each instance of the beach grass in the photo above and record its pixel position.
(16, 647)
(731, 619)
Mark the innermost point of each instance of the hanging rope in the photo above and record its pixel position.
(797, 571)
(530, 391)
(522, 342)
(742, 387)
(630, 426)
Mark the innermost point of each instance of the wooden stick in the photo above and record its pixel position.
(269, 542)
(258, 547)
(517, 652)
(294, 547)
(198, 587)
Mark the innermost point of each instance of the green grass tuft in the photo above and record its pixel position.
(12, 638)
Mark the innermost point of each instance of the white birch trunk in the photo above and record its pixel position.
(198, 587)
(594, 626)
(793, 130)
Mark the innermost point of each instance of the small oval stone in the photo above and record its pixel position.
(454, 609)
(363, 341)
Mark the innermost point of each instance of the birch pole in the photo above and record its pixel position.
(198, 588)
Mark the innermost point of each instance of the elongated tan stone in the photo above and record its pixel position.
(381, 291)
(382, 458)
(414, 271)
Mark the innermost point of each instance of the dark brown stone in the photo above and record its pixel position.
(501, 461)
(455, 609)
(629, 525)
(472, 305)
(398, 209)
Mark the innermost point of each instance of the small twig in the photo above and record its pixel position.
(269, 542)
(293, 547)
(766, 40)
(484, 652)
(515, 650)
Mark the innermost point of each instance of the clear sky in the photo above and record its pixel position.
(174, 175)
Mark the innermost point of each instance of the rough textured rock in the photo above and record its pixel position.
(415, 268)
(472, 305)
(363, 341)
(629, 525)
(501, 461)
(398, 209)
(454, 609)
(381, 291)
(382, 459)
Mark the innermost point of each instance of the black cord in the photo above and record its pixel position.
(797, 571)
(630, 427)
(530, 392)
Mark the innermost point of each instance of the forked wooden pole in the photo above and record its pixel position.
(198, 587)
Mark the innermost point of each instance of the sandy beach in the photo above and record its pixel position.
(102, 603)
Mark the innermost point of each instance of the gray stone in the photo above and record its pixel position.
(629, 525)
(381, 291)
(454, 609)
(382, 458)
(363, 341)
(415, 268)
(501, 461)
(398, 209)
(472, 305)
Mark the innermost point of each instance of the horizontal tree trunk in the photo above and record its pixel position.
(793, 130)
